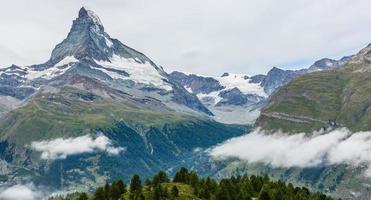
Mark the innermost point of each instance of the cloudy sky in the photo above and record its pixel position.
(201, 36)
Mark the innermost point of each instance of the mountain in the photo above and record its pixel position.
(327, 63)
(232, 98)
(277, 78)
(95, 111)
(90, 52)
(238, 98)
(336, 97)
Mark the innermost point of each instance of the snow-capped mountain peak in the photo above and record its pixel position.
(90, 46)
(89, 55)
(85, 39)
(89, 14)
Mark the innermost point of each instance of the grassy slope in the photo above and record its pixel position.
(338, 94)
(60, 115)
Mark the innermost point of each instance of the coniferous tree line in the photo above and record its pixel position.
(160, 187)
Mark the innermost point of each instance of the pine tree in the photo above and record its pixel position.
(157, 193)
(181, 176)
(147, 182)
(212, 185)
(117, 189)
(121, 186)
(222, 193)
(135, 188)
(83, 196)
(204, 192)
(264, 193)
(174, 191)
(160, 177)
(99, 194)
(193, 179)
(242, 195)
(135, 184)
(165, 193)
(107, 191)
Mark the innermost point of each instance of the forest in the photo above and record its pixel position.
(189, 185)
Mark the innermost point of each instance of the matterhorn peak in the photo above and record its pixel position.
(86, 39)
(89, 15)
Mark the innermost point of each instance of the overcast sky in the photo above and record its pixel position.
(201, 36)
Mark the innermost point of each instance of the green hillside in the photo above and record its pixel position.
(153, 135)
(66, 113)
(310, 101)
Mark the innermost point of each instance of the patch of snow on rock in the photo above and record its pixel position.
(53, 71)
(242, 83)
(94, 16)
(108, 42)
(213, 95)
(144, 73)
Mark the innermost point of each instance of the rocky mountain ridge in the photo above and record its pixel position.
(238, 98)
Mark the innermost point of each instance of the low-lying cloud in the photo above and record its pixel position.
(19, 192)
(339, 146)
(28, 191)
(60, 148)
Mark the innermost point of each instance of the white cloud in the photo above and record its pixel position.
(18, 192)
(339, 146)
(60, 148)
(240, 36)
(197, 149)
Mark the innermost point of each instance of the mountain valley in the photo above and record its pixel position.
(98, 110)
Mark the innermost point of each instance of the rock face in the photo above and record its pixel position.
(87, 39)
(327, 63)
(276, 78)
(236, 97)
(198, 84)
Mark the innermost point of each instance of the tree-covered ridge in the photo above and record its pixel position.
(188, 185)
